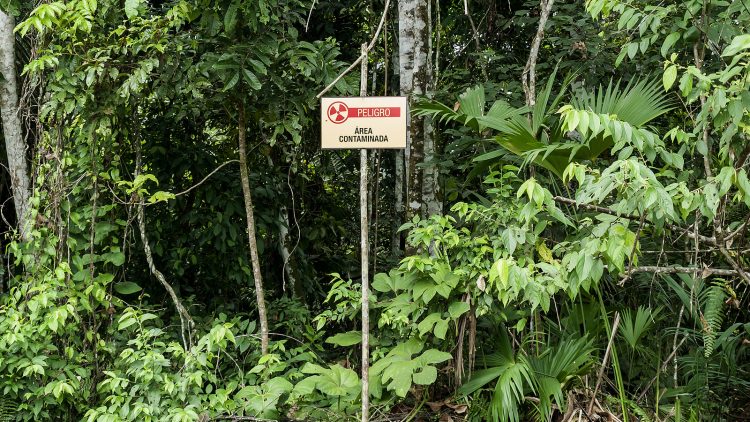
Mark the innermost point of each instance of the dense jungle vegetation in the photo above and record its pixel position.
(566, 236)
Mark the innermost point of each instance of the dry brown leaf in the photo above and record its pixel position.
(435, 406)
(458, 408)
(481, 284)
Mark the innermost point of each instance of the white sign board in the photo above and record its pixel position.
(363, 122)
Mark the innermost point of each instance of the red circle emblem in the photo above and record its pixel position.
(338, 112)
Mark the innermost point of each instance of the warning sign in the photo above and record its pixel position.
(363, 122)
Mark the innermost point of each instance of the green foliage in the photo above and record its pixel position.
(546, 375)
(634, 327)
(335, 387)
(712, 318)
(400, 368)
(609, 118)
(556, 215)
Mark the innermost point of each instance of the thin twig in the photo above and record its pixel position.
(661, 369)
(206, 178)
(604, 362)
(309, 15)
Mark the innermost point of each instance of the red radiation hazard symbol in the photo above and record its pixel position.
(338, 112)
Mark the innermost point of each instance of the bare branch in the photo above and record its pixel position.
(615, 324)
(603, 210)
(685, 270)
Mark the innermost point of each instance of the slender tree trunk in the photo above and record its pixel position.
(398, 174)
(364, 225)
(528, 78)
(398, 208)
(253, 244)
(431, 178)
(414, 77)
(14, 144)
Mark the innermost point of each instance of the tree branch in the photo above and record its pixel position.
(615, 324)
(684, 270)
(603, 210)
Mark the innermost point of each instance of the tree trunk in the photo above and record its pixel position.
(398, 175)
(364, 225)
(528, 78)
(414, 36)
(14, 143)
(431, 178)
(253, 244)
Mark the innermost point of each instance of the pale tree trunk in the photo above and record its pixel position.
(364, 225)
(431, 178)
(253, 244)
(398, 176)
(529, 72)
(413, 42)
(14, 143)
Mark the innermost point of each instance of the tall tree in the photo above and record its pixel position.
(14, 144)
(252, 240)
(431, 176)
(413, 45)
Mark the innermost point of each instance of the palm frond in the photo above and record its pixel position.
(638, 102)
(512, 376)
(543, 109)
(635, 326)
(552, 370)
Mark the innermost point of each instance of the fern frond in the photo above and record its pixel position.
(8, 409)
(712, 318)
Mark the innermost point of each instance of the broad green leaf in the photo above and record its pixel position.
(426, 376)
(428, 322)
(345, 339)
(127, 288)
(131, 8)
(277, 386)
(441, 328)
(632, 49)
(230, 18)
(251, 79)
(456, 309)
(383, 283)
(125, 323)
(739, 43)
(433, 356)
(669, 42)
(670, 75)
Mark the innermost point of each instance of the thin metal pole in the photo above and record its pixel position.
(365, 254)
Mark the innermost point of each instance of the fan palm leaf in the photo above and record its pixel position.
(638, 102)
(538, 138)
